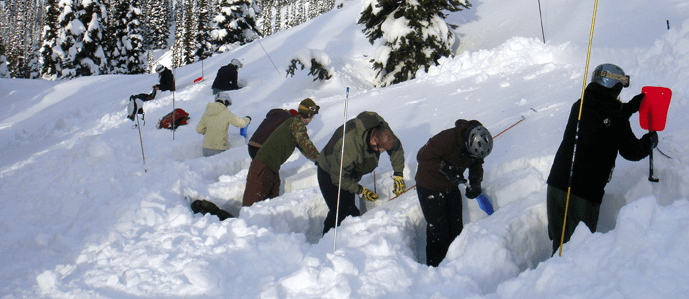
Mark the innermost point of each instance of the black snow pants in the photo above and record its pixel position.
(443, 213)
(329, 191)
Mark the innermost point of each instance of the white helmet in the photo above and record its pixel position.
(159, 68)
(236, 62)
(223, 97)
(479, 142)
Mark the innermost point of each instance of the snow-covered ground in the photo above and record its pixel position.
(83, 217)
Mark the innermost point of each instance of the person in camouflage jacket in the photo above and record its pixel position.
(263, 180)
(366, 137)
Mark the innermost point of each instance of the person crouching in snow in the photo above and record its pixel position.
(603, 131)
(442, 162)
(215, 122)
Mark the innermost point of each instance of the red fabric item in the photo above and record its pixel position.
(181, 118)
(653, 110)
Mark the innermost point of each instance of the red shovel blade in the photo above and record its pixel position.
(653, 110)
(199, 79)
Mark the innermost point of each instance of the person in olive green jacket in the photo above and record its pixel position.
(215, 122)
(263, 180)
(366, 137)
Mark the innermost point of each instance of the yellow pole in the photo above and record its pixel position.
(576, 138)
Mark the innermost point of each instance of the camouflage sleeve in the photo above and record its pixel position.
(304, 144)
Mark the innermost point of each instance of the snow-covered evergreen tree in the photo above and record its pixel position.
(20, 27)
(69, 39)
(189, 21)
(235, 24)
(91, 58)
(48, 60)
(415, 35)
(127, 54)
(204, 48)
(157, 23)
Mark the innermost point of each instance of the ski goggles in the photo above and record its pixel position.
(624, 79)
(313, 109)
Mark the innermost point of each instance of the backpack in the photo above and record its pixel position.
(166, 122)
(135, 106)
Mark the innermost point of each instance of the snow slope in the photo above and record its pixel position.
(84, 217)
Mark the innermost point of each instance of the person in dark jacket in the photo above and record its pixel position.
(604, 130)
(167, 79)
(366, 137)
(263, 180)
(226, 78)
(442, 162)
(274, 118)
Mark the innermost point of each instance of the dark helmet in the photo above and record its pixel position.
(479, 142)
(609, 75)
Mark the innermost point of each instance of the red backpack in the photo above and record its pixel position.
(180, 118)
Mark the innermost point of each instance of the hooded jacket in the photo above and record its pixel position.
(449, 146)
(604, 130)
(359, 159)
(214, 124)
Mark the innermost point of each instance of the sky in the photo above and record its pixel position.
(89, 208)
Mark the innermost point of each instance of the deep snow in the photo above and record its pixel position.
(83, 217)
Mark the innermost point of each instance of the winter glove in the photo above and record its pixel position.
(633, 105)
(652, 137)
(474, 191)
(367, 194)
(452, 173)
(400, 186)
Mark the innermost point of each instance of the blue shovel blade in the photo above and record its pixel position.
(243, 132)
(484, 204)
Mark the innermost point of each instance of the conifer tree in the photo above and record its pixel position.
(157, 24)
(204, 48)
(127, 53)
(49, 63)
(91, 58)
(426, 37)
(69, 29)
(235, 24)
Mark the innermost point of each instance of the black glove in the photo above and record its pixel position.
(474, 191)
(652, 138)
(452, 173)
(633, 105)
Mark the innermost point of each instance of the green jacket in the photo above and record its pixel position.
(358, 158)
(281, 143)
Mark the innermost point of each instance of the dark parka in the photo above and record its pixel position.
(167, 80)
(449, 146)
(604, 130)
(226, 79)
(359, 159)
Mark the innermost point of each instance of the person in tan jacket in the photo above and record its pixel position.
(215, 122)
